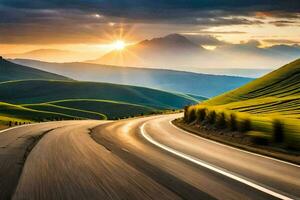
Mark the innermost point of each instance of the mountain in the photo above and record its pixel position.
(53, 55)
(171, 50)
(11, 71)
(178, 52)
(251, 55)
(204, 85)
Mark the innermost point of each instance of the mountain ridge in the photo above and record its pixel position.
(11, 71)
(205, 85)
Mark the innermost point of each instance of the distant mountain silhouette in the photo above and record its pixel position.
(178, 52)
(171, 50)
(170, 80)
(53, 55)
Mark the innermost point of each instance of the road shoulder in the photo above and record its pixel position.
(215, 136)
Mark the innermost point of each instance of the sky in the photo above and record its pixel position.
(93, 25)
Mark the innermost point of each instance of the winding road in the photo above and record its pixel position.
(138, 158)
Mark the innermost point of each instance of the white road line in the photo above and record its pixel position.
(224, 145)
(16, 127)
(211, 167)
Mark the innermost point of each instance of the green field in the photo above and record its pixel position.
(16, 113)
(92, 109)
(41, 91)
(30, 95)
(46, 100)
(112, 109)
(47, 107)
(271, 104)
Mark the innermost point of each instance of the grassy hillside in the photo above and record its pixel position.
(11, 71)
(10, 112)
(112, 109)
(280, 83)
(92, 109)
(271, 105)
(205, 85)
(65, 110)
(41, 91)
(48, 99)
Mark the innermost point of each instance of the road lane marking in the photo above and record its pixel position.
(210, 167)
(15, 127)
(224, 145)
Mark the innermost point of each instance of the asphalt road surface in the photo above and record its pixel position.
(141, 158)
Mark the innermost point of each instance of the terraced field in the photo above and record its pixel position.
(269, 102)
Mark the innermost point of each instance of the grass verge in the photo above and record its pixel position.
(236, 140)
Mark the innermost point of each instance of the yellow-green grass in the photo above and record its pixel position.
(112, 109)
(17, 113)
(65, 110)
(274, 98)
(280, 83)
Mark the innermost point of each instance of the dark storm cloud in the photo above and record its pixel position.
(281, 23)
(159, 9)
(69, 20)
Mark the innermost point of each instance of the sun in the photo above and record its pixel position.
(119, 45)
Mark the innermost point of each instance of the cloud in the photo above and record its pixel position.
(85, 21)
(205, 40)
(161, 9)
(281, 41)
(281, 23)
(213, 32)
(252, 43)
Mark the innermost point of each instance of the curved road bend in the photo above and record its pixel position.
(14, 144)
(68, 164)
(142, 158)
(220, 171)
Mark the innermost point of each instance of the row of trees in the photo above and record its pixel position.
(16, 123)
(230, 121)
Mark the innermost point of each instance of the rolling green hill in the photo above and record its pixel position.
(41, 91)
(65, 110)
(35, 95)
(270, 103)
(200, 84)
(10, 112)
(11, 71)
(281, 83)
(40, 100)
(112, 109)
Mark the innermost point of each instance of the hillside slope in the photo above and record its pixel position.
(11, 71)
(205, 85)
(269, 106)
(276, 93)
(17, 113)
(41, 91)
